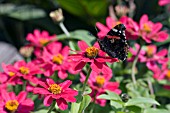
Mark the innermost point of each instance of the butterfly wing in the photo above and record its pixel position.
(114, 43)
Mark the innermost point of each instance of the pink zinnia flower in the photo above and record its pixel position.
(56, 59)
(163, 2)
(59, 92)
(134, 52)
(160, 73)
(39, 39)
(10, 72)
(15, 104)
(92, 55)
(99, 82)
(131, 27)
(151, 31)
(4, 78)
(21, 69)
(149, 54)
(110, 23)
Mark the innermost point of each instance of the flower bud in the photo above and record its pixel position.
(57, 15)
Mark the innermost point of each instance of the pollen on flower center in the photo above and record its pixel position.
(92, 52)
(146, 27)
(11, 73)
(150, 51)
(43, 41)
(24, 70)
(58, 59)
(11, 105)
(100, 80)
(168, 74)
(55, 89)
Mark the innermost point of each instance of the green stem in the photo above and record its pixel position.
(134, 65)
(52, 107)
(85, 82)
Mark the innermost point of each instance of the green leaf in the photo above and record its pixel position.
(82, 8)
(140, 100)
(116, 105)
(75, 107)
(164, 82)
(42, 111)
(110, 96)
(26, 12)
(88, 90)
(153, 110)
(163, 93)
(134, 109)
(78, 35)
(85, 102)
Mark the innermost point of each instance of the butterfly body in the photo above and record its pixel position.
(115, 43)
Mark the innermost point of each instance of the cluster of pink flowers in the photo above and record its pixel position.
(53, 60)
(145, 29)
(147, 32)
(99, 80)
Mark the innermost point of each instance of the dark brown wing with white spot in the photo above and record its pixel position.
(115, 47)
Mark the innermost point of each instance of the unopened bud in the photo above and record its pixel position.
(26, 51)
(57, 15)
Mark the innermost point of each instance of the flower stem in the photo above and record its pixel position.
(85, 82)
(151, 89)
(52, 107)
(134, 65)
(64, 29)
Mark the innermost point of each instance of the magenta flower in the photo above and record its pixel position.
(59, 92)
(39, 39)
(10, 103)
(163, 2)
(110, 23)
(4, 78)
(56, 59)
(131, 27)
(10, 72)
(161, 72)
(21, 69)
(99, 83)
(134, 51)
(93, 55)
(151, 31)
(149, 55)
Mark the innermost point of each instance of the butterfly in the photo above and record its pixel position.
(115, 43)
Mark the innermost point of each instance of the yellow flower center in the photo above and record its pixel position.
(11, 73)
(146, 28)
(24, 70)
(11, 105)
(58, 59)
(43, 41)
(150, 51)
(55, 89)
(168, 74)
(92, 52)
(100, 80)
